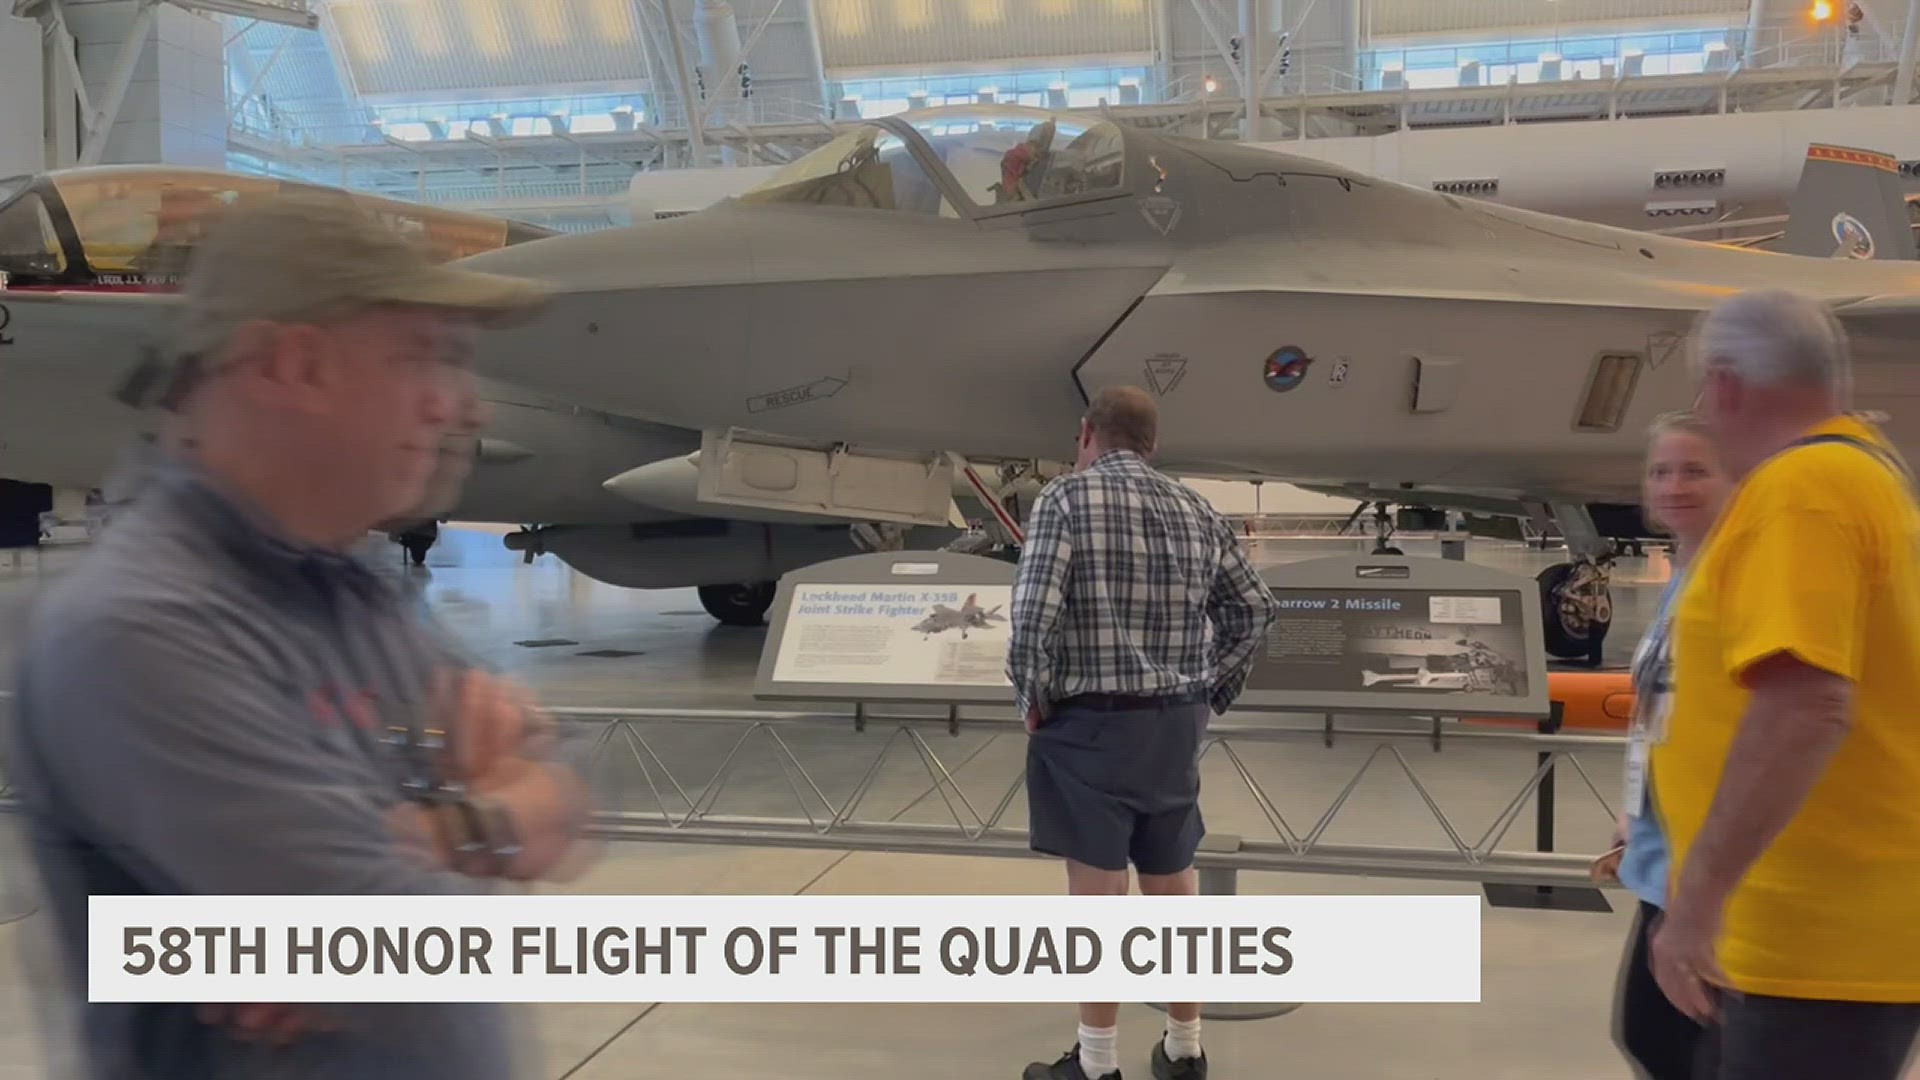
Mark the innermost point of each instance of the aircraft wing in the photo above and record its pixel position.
(64, 358)
(33, 310)
(1880, 308)
(77, 336)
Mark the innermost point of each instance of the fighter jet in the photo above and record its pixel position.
(970, 617)
(954, 285)
(89, 259)
(938, 292)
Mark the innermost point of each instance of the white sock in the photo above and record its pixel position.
(1099, 1051)
(1183, 1038)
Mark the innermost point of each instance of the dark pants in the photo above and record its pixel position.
(1662, 1042)
(1112, 782)
(1770, 1038)
(1755, 1037)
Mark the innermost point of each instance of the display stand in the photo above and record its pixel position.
(1421, 638)
(1546, 897)
(1225, 881)
(1414, 637)
(888, 629)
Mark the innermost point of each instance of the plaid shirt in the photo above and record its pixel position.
(1123, 572)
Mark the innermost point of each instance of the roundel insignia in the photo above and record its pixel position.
(1852, 236)
(1287, 368)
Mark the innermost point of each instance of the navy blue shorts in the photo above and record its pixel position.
(1108, 787)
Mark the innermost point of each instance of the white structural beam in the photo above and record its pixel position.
(62, 88)
(1163, 41)
(291, 13)
(285, 12)
(1253, 39)
(58, 17)
(22, 102)
(1756, 24)
(728, 52)
(816, 52)
(1909, 47)
(100, 126)
(1219, 42)
(258, 80)
(687, 94)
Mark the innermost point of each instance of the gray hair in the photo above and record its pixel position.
(1775, 337)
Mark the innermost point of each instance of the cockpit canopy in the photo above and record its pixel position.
(964, 161)
(126, 226)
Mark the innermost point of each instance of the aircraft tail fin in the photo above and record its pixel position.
(1850, 205)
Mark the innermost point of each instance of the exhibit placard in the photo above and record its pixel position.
(915, 626)
(1404, 641)
(851, 633)
(1401, 634)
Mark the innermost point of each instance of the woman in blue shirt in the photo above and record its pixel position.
(1684, 487)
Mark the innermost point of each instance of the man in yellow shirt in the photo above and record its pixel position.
(1789, 770)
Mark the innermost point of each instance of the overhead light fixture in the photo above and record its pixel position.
(1822, 10)
(1479, 187)
(1681, 178)
(1687, 208)
(1211, 84)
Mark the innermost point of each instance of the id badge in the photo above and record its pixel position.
(1657, 718)
(1636, 794)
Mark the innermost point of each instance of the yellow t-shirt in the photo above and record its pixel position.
(1817, 554)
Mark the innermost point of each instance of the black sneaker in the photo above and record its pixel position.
(1067, 1068)
(1165, 1068)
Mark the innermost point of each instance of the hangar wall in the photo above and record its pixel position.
(22, 144)
(173, 106)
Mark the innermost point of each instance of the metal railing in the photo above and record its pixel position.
(679, 808)
(674, 806)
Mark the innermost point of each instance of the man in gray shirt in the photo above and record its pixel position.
(222, 700)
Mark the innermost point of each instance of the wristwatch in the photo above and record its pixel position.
(490, 835)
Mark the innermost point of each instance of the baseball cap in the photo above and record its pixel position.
(304, 256)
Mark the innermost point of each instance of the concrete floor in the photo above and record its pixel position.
(1547, 975)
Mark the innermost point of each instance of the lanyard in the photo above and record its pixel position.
(1647, 658)
(1652, 699)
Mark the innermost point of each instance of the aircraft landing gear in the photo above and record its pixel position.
(1383, 531)
(738, 605)
(418, 540)
(1576, 608)
(1576, 598)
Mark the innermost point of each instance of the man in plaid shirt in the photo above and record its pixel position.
(1134, 612)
